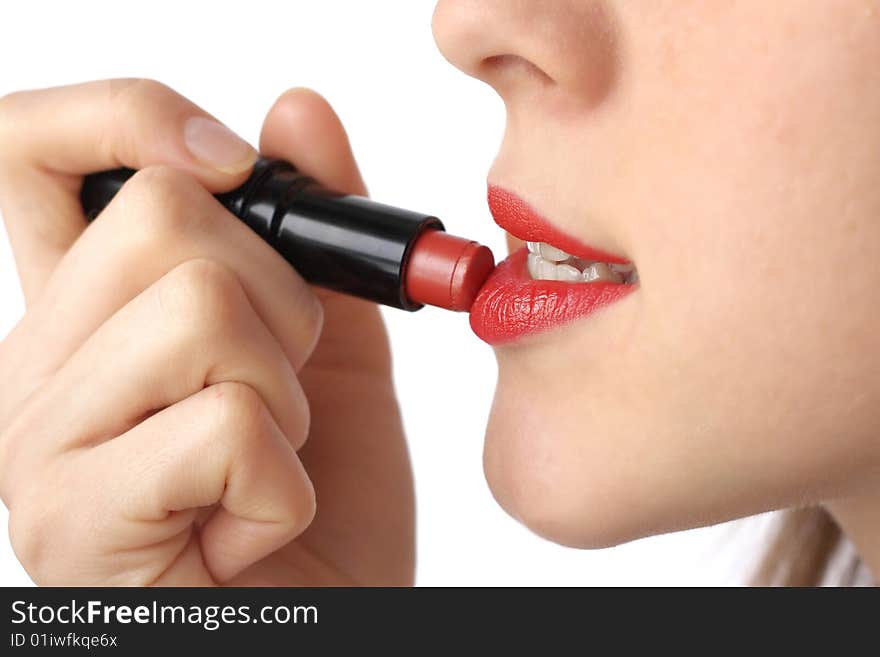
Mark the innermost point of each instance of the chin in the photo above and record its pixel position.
(564, 484)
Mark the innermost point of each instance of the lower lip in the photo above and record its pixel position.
(512, 305)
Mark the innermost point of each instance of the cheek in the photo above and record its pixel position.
(747, 376)
(757, 235)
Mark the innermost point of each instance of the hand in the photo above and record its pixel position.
(157, 394)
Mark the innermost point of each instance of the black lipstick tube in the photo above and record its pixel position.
(342, 242)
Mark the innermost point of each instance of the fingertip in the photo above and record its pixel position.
(223, 158)
(295, 105)
(303, 96)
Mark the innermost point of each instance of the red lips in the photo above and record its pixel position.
(520, 220)
(511, 304)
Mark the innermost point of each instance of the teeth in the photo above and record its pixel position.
(546, 262)
(599, 271)
(568, 273)
(552, 253)
(547, 270)
(541, 269)
(533, 265)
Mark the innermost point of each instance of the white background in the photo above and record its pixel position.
(425, 136)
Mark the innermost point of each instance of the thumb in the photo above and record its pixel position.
(303, 129)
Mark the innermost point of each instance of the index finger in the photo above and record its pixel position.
(49, 138)
(83, 128)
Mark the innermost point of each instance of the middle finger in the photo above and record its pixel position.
(160, 219)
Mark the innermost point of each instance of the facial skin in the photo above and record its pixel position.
(732, 152)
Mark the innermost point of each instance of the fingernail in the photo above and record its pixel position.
(217, 146)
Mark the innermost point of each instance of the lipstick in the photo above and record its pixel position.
(343, 242)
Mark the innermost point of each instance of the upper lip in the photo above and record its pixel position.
(519, 219)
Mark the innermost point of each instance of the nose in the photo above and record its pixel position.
(520, 47)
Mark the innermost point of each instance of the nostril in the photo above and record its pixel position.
(568, 49)
(499, 67)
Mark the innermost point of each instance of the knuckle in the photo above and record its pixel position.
(131, 95)
(295, 495)
(161, 202)
(303, 513)
(241, 413)
(130, 102)
(301, 414)
(296, 516)
(204, 294)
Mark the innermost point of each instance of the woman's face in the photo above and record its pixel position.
(731, 152)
